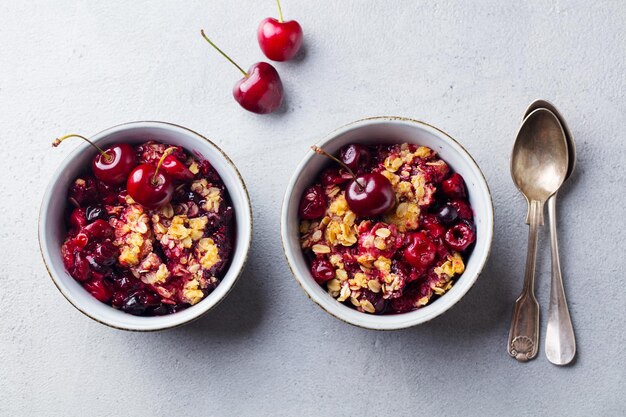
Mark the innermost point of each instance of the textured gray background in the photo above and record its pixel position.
(468, 67)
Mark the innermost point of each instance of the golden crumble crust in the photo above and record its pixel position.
(362, 252)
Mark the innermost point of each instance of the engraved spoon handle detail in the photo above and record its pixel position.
(524, 333)
(560, 341)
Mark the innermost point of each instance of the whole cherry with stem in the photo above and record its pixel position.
(279, 40)
(149, 185)
(260, 90)
(368, 195)
(111, 166)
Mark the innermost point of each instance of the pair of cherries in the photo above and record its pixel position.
(147, 184)
(367, 195)
(261, 90)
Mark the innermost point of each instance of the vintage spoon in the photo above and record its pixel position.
(560, 343)
(538, 166)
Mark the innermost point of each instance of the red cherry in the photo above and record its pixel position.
(105, 253)
(98, 229)
(322, 270)
(260, 90)
(408, 301)
(454, 187)
(78, 218)
(107, 194)
(448, 214)
(429, 219)
(370, 195)
(176, 169)
(435, 231)
(463, 209)
(313, 203)
(460, 236)
(433, 227)
(115, 164)
(279, 40)
(435, 171)
(149, 186)
(83, 191)
(80, 241)
(442, 250)
(354, 156)
(98, 290)
(331, 176)
(80, 270)
(421, 251)
(67, 254)
(111, 166)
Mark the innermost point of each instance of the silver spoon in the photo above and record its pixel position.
(538, 166)
(560, 341)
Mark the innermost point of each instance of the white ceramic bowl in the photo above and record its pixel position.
(389, 130)
(52, 224)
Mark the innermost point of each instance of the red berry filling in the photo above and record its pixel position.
(454, 187)
(391, 254)
(322, 270)
(313, 203)
(420, 252)
(150, 261)
(460, 236)
(463, 209)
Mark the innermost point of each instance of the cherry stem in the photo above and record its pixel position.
(222, 52)
(280, 12)
(105, 155)
(321, 151)
(166, 153)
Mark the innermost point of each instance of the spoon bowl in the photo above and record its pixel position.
(539, 163)
(571, 145)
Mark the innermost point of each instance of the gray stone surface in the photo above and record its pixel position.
(467, 67)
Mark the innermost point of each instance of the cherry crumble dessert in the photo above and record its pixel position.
(150, 228)
(389, 231)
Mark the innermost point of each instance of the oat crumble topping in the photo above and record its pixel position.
(366, 254)
(150, 262)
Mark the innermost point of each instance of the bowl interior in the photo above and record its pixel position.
(52, 224)
(377, 131)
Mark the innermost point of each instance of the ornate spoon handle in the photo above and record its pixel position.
(524, 333)
(560, 341)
